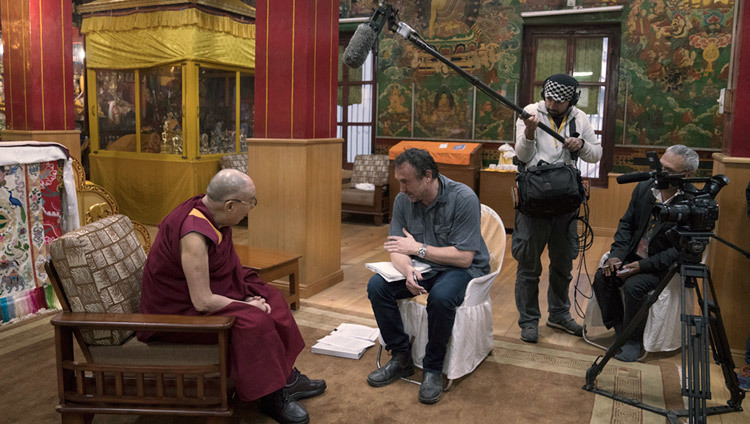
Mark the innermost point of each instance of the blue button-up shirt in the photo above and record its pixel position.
(452, 219)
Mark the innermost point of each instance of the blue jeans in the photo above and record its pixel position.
(530, 236)
(447, 290)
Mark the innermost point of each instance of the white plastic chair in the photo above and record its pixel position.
(472, 339)
(663, 327)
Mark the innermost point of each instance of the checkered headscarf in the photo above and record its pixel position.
(560, 87)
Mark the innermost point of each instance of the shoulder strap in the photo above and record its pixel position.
(573, 133)
(572, 128)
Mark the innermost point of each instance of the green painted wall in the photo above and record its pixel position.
(674, 60)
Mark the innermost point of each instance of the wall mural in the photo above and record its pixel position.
(674, 60)
(483, 37)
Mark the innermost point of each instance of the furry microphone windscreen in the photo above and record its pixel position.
(360, 45)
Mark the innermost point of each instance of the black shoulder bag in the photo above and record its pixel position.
(546, 190)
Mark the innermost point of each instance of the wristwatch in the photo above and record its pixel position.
(422, 252)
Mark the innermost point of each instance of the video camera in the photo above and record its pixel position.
(697, 210)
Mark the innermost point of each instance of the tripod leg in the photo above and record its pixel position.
(696, 383)
(596, 368)
(721, 351)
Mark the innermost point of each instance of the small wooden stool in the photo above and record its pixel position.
(271, 265)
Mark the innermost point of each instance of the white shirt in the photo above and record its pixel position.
(547, 148)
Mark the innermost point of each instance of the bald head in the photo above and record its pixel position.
(228, 184)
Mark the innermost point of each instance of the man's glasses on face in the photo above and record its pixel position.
(253, 203)
(672, 171)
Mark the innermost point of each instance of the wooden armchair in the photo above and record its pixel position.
(96, 272)
(96, 202)
(368, 169)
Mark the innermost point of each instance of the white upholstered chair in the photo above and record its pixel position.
(663, 327)
(472, 338)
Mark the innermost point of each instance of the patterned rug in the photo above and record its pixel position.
(518, 383)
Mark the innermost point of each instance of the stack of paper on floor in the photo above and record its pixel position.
(347, 341)
(390, 273)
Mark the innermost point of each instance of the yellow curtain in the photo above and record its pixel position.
(154, 187)
(144, 40)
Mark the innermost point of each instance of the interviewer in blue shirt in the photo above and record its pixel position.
(437, 221)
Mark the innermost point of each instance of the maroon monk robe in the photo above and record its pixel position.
(263, 347)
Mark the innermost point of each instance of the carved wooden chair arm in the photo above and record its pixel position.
(135, 322)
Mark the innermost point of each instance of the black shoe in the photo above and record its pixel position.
(530, 334)
(629, 352)
(431, 389)
(400, 365)
(303, 387)
(279, 406)
(566, 324)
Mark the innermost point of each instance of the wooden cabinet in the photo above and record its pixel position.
(298, 183)
(495, 191)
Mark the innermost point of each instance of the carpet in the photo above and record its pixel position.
(518, 383)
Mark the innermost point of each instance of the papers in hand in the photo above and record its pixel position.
(391, 274)
(347, 341)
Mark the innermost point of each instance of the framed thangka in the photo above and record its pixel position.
(444, 111)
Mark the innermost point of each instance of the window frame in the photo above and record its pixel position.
(531, 33)
(344, 84)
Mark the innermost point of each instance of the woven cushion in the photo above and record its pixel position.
(237, 161)
(352, 196)
(134, 352)
(100, 267)
(371, 169)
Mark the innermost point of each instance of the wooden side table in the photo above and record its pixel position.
(272, 265)
(495, 191)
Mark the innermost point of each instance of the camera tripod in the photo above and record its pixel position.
(698, 333)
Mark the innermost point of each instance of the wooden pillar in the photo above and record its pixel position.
(38, 63)
(729, 269)
(737, 102)
(295, 160)
(296, 68)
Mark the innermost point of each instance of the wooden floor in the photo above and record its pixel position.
(362, 242)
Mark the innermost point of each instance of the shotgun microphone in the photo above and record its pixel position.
(360, 45)
(634, 177)
(366, 35)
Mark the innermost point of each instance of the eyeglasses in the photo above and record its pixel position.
(672, 171)
(252, 203)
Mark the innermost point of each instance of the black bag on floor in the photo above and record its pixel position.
(549, 189)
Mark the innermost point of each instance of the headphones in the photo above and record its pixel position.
(573, 100)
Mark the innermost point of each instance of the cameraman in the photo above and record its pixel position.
(641, 253)
(531, 234)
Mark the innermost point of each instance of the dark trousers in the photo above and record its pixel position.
(530, 236)
(619, 311)
(447, 290)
